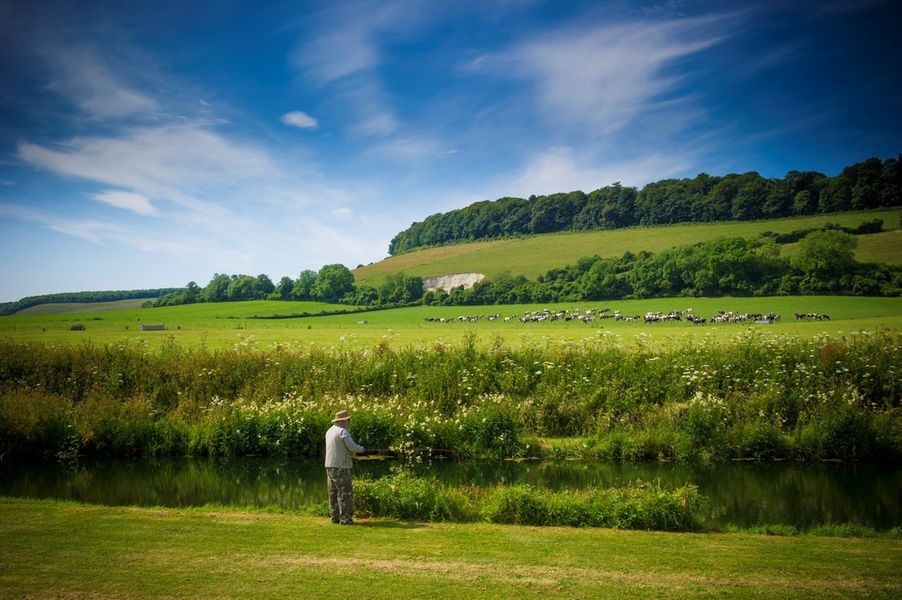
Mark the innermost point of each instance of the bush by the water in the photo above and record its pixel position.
(757, 396)
(636, 506)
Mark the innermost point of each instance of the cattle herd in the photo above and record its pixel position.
(589, 315)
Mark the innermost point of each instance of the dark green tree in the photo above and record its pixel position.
(826, 255)
(263, 286)
(333, 282)
(218, 288)
(303, 286)
(283, 289)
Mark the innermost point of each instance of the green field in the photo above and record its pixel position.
(885, 247)
(229, 323)
(54, 549)
(535, 255)
(54, 308)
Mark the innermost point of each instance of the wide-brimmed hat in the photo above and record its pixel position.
(341, 415)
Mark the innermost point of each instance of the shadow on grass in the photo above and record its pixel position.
(389, 524)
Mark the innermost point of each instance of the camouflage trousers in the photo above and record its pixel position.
(341, 495)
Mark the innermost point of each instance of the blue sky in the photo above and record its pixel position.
(148, 144)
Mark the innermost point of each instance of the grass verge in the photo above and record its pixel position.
(60, 549)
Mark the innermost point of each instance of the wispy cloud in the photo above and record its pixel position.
(344, 49)
(770, 58)
(348, 35)
(299, 119)
(560, 169)
(380, 122)
(136, 203)
(342, 213)
(102, 233)
(410, 149)
(157, 162)
(604, 77)
(81, 76)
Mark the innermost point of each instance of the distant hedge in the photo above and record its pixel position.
(8, 308)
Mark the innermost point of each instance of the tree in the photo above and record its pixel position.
(263, 286)
(750, 197)
(555, 212)
(333, 282)
(191, 294)
(218, 288)
(241, 287)
(303, 287)
(601, 281)
(826, 255)
(283, 290)
(803, 203)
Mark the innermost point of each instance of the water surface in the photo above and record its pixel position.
(745, 494)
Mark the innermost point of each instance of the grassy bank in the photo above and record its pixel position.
(759, 396)
(535, 255)
(55, 549)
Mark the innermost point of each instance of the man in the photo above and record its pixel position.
(339, 447)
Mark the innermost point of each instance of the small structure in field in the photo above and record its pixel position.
(153, 327)
(449, 282)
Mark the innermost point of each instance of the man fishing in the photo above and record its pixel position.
(339, 448)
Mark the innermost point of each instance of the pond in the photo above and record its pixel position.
(744, 494)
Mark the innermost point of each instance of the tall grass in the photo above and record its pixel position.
(635, 506)
(758, 396)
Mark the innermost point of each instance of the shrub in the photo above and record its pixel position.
(403, 496)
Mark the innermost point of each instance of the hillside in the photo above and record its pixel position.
(868, 185)
(54, 308)
(534, 255)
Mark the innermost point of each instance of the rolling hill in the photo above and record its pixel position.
(535, 255)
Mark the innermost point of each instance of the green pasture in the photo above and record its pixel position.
(535, 255)
(61, 549)
(884, 247)
(52, 308)
(230, 323)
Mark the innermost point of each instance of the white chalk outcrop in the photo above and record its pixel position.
(449, 282)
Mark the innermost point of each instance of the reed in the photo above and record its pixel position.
(758, 396)
(639, 505)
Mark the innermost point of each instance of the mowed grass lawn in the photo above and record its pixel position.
(68, 550)
(535, 255)
(226, 324)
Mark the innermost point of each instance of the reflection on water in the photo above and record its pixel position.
(740, 493)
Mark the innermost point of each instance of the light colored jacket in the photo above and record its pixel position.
(339, 446)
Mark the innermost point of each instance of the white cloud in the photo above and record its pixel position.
(342, 213)
(344, 48)
(103, 232)
(559, 170)
(380, 123)
(127, 200)
(92, 231)
(409, 149)
(348, 36)
(80, 76)
(299, 119)
(171, 162)
(605, 77)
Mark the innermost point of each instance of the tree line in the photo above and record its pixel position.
(332, 283)
(872, 183)
(8, 308)
(823, 264)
